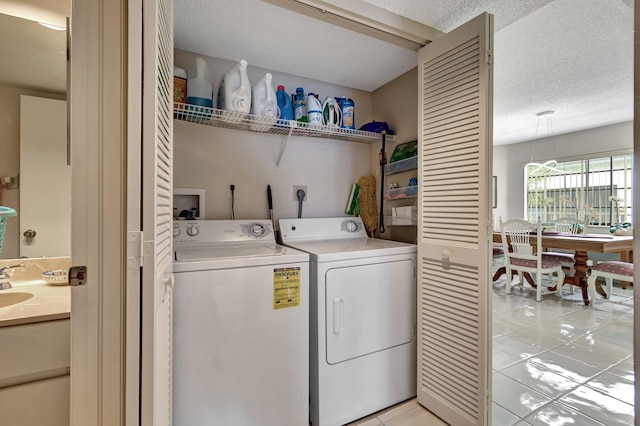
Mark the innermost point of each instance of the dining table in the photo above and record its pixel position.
(581, 245)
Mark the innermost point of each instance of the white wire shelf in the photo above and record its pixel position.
(251, 123)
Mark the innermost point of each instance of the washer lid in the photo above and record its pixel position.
(226, 251)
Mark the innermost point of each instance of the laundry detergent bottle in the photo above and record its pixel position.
(264, 102)
(284, 104)
(199, 86)
(314, 110)
(298, 106)
(234, 93)
(348, 113)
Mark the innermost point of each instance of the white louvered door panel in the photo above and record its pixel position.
(157, 270)
(455, 166)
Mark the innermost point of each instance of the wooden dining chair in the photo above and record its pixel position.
(568, 225)
(610, 271)
(498, 255)
(516, 234)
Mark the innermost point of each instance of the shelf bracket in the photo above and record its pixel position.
(292, 124)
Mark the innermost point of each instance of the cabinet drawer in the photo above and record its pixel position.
(30, 349)
(45, 402)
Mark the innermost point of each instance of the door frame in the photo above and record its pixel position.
(99, 26)
(98, 120)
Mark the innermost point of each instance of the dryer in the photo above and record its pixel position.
(241, 326)
(362, 318)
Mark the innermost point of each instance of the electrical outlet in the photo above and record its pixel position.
(235, 191)
(295, 192)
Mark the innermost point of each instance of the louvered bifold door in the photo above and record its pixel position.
(157, 267)
(454, 315)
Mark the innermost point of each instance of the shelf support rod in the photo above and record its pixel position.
(292, 124)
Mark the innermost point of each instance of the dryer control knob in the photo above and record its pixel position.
(351, 226)
(193, 230)
(257, 230)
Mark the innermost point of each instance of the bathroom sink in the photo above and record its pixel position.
(8, 299)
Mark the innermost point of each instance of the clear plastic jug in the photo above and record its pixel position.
(264, 104)
(234, 93)
(199, 87)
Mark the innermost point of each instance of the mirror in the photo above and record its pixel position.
(33, 65)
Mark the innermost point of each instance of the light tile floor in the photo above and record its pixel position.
(558, 362)
(555, 362)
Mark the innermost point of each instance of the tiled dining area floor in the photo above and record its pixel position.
(555, 362)
(558, 362)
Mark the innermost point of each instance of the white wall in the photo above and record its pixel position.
(508, 160)
(212, 158)
(397, 103)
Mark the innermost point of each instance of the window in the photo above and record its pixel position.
(598, 188)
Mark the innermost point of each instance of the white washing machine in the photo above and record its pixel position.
(363, 318)
(241, 326)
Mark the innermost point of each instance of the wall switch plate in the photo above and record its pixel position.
(295, 192)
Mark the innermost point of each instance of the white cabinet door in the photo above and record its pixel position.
(45, 178)
(455, 150)
(43, 402)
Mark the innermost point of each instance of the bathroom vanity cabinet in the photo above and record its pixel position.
(34, 373)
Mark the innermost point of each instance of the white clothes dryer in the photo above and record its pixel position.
(241, 326)
(362, 319)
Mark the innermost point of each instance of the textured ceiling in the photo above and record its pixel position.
(271, 37)
(571, 56)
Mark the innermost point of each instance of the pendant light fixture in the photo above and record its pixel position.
(549, 165)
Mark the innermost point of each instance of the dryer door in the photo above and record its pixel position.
(369, 308)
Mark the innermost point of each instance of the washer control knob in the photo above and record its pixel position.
(351, 226)
(193, 230)
(256, 230)
(176, 230)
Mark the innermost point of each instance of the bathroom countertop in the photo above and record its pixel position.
(49, 302)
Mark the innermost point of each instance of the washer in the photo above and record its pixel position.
(362, 319)
(241, 326)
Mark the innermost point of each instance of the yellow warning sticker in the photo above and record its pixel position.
(286, 287)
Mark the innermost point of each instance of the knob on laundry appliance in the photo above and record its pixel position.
(193, 230)
(257, 230)
(351, 226)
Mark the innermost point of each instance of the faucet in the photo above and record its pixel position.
(4, 275)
